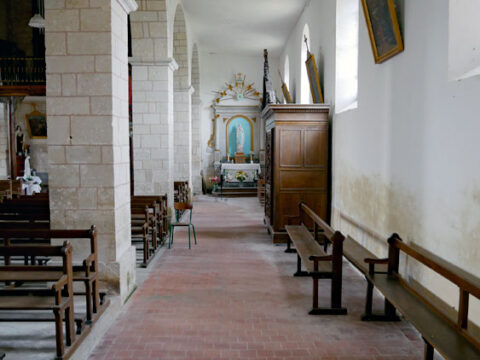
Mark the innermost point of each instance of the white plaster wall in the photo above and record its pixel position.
(406, 160)
(320, 17)
(215, 70)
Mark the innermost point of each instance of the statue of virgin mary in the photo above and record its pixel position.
(240, 138)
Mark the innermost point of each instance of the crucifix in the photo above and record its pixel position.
(306, 43)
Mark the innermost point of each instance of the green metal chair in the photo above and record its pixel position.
(179, 207)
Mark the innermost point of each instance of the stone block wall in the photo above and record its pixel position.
(87, 115)
(183, 135)
(152, 91)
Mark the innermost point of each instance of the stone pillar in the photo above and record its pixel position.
(196, 145)
(88, 141)
(4, 164)
(152, 90)
(183, 134)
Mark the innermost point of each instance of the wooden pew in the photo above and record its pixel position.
(58, 298)
(25, 211)
(158, 206)
(141, 234)
(180, 191)
(318, 263)
(450, 338)
(85, 273)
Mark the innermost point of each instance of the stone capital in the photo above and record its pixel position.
(128, 5)
(169, 62)
(190, 90)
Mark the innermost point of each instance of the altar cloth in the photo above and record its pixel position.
(244, 167)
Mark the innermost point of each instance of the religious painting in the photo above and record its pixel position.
(239, 136)
(312, 72)
(286, 94)
(383, 28)
(36, 124)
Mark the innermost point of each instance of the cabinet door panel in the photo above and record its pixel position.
(316, 148)
(303, 179)
(290, 148)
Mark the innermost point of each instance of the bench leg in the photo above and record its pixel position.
(59, 334)
(289, 246)
(429, 351)
(389, 312)
(334, 310)
(88, 290)
(299, 268)
(69, 325)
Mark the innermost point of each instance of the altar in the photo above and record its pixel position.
(240, 174)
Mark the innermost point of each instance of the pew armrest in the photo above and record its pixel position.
(372, 262)
(60, 283)
(321, 258)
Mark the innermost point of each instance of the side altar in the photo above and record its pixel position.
(237, 142)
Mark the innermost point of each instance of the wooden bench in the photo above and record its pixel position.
(58, 298)
(85, 273)
(449, 337)
(180, 191)
(142, 235)
(158, 205)
(10, 189)
(318, 264)
(356, 255)
(25, 211)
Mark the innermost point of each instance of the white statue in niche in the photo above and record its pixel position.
(240, 138)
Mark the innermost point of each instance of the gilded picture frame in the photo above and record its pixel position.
(36, 124)
(312, 71)
(286, 94)
(383, 29)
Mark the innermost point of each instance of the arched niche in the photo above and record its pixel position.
(231, 135)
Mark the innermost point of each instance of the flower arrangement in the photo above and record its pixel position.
(240, 176)
(214, 180)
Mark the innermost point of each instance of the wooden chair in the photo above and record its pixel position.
(182, 206)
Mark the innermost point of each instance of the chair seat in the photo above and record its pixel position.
(180, 224)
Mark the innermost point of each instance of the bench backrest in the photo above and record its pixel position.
(467, 283)
(9, 235)
(32, 209)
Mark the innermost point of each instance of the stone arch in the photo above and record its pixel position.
(149, 31)
(196, 119)
(182, 104)
(180, 49)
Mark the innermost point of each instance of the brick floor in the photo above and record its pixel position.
(233, 297)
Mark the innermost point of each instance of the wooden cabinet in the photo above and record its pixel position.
(296, 163)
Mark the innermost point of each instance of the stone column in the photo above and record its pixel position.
(152, 91)
(183, 134)
(4, 164)
(88, 142)
(196, 145)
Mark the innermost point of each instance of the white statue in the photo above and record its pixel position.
(27, 172)
(240, 138)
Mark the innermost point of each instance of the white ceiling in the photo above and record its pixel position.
(243, 26)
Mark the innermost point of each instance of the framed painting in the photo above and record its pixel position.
(286, 94)
(383, 28)
(36, 124)
(312, 72)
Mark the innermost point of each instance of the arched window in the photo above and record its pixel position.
(346, 79)
(305, 95)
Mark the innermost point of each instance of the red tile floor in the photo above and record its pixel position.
(233, 297)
